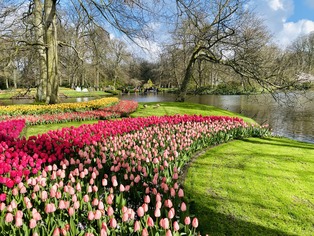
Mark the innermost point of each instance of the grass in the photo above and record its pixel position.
(172, 108)
(254, 187)
(40, 129)
(71, 93)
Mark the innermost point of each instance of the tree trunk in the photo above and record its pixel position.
(41, 51)
(51, 52)
(14, 78)
(187, 76)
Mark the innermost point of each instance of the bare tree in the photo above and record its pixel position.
(211, 25)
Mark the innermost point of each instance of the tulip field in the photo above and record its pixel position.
(115, 177)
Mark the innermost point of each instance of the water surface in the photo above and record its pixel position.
(291, 116)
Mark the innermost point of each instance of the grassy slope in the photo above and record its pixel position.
(172, 108)
(254, 187)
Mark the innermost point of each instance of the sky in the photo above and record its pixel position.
(286, 19)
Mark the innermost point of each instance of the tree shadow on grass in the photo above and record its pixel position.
(217, 224)
(281, 142)
(211, 207)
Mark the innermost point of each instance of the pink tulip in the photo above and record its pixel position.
(125, 217)
(137, 226)
(176, 226)
(71, 211)
(113, 223)
(114, 181)
(15, 192)
(150, 221)
(91, 215)
(181, 193)
(95, 189)
(145, 232)
(147, 199)
(97, 214)
(101, 205)
(104, 182)
(195, 222)
(95, 202)
(50, 208)
(76, 205)
(109, 199)
(157, 212)
(9, 217)
(13, 204)
(86, 198)
(145, 207)
(187, 220)
(2, 206)
(183, 206)
(168, 203)
(62, 204)
(56, 232)
(44, 196)
(121, 188)
(103, 232)
(164, 223)
(168, 233)
(110, 211)
(32, 223)
(140, 211)
(171, 213)
(19, 214)
(18, 222)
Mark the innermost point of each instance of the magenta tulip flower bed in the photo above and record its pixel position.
(111, 178)
(11, 129)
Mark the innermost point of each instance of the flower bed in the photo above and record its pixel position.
(113, 177)
(11, 129)
(57, 108)
(122, 108)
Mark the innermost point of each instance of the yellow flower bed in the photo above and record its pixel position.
(57, 108)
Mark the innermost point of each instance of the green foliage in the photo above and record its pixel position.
(303, 86)
(231, 88)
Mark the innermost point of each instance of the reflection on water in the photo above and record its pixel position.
(291, 117)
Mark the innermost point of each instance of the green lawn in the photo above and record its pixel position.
(172, 108)
(40, 129)
(254, 187)
(71, 93)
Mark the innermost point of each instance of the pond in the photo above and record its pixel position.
(292, 116)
